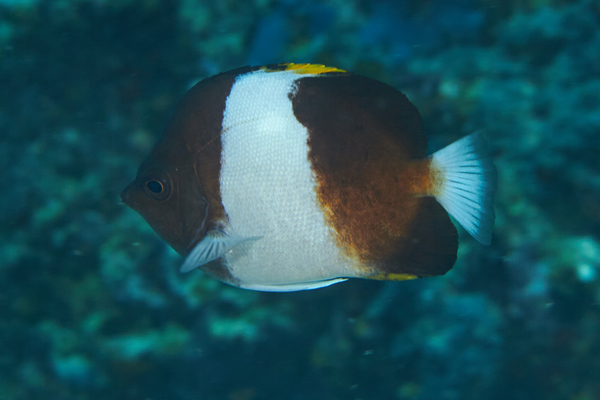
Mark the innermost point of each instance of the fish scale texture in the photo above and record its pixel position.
(268, 188)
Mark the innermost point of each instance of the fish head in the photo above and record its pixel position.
(168, 195)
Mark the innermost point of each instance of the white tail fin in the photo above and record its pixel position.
(467, 183)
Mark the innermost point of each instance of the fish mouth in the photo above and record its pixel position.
(130, 196)
(126, 196)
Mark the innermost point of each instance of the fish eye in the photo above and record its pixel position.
(157, 186)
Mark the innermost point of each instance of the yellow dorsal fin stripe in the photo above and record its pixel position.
(393, 277)
(309, 68)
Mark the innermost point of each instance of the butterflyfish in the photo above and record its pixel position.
(298, 176)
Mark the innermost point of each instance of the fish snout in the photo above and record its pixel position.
(126, 195)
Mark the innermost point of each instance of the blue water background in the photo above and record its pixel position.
(92, 305)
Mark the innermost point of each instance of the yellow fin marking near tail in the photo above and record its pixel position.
(393, 277)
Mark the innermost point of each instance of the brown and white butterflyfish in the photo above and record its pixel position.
(298, 176)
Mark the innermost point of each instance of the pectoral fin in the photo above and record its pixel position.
(214, 245)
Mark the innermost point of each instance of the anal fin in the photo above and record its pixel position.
(293, 287)
(427, 246)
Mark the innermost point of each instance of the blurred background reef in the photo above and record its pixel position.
(92, 305)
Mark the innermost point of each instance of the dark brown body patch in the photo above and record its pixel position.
(367, 149)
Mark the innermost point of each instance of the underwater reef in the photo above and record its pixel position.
(92, 305)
